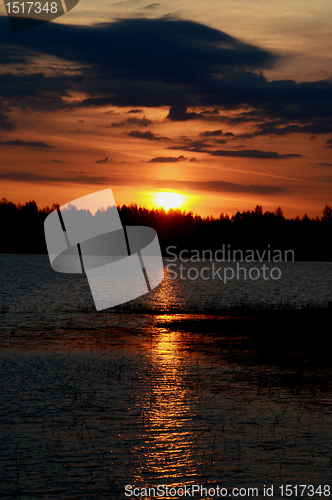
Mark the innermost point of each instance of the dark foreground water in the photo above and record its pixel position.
(92, 403)
(89, 415)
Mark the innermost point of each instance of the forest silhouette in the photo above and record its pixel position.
(22, 230)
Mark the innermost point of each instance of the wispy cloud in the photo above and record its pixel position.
(44, 179)
(152, 6)
(30, 144)
(219, 186)
(215, 185)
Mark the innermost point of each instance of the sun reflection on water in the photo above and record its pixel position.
(169, 412)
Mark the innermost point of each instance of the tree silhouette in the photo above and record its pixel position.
(22, 230)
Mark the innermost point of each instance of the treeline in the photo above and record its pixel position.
(22, 230)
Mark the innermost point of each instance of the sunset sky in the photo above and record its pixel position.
(228, 103)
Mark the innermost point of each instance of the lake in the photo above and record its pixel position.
(95, 404)
(29, 281)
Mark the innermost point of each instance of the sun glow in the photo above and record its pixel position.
(169, 200)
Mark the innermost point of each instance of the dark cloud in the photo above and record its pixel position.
(245, 117)
(170, 159)
(5, 122)
(143, 122)
(329, 142)
(217, 133)
(57, 161)
(203, 147)
(280, 127)
(161, 62)
(152, 6)
(210, 112)
(36, 90)
(135, 111)
(212, 133)
(10, 56)
(180, 114)
(190, 56)
(193, 146)
(193, 159)
(105, 160)
(147, 135)
(36, 144)
(253, 153)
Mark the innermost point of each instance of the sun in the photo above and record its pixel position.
(169, 200)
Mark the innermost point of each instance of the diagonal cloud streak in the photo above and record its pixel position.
(207, 186)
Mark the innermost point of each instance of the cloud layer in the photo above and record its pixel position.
(159, 62)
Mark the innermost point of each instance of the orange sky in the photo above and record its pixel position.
(60, 142)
